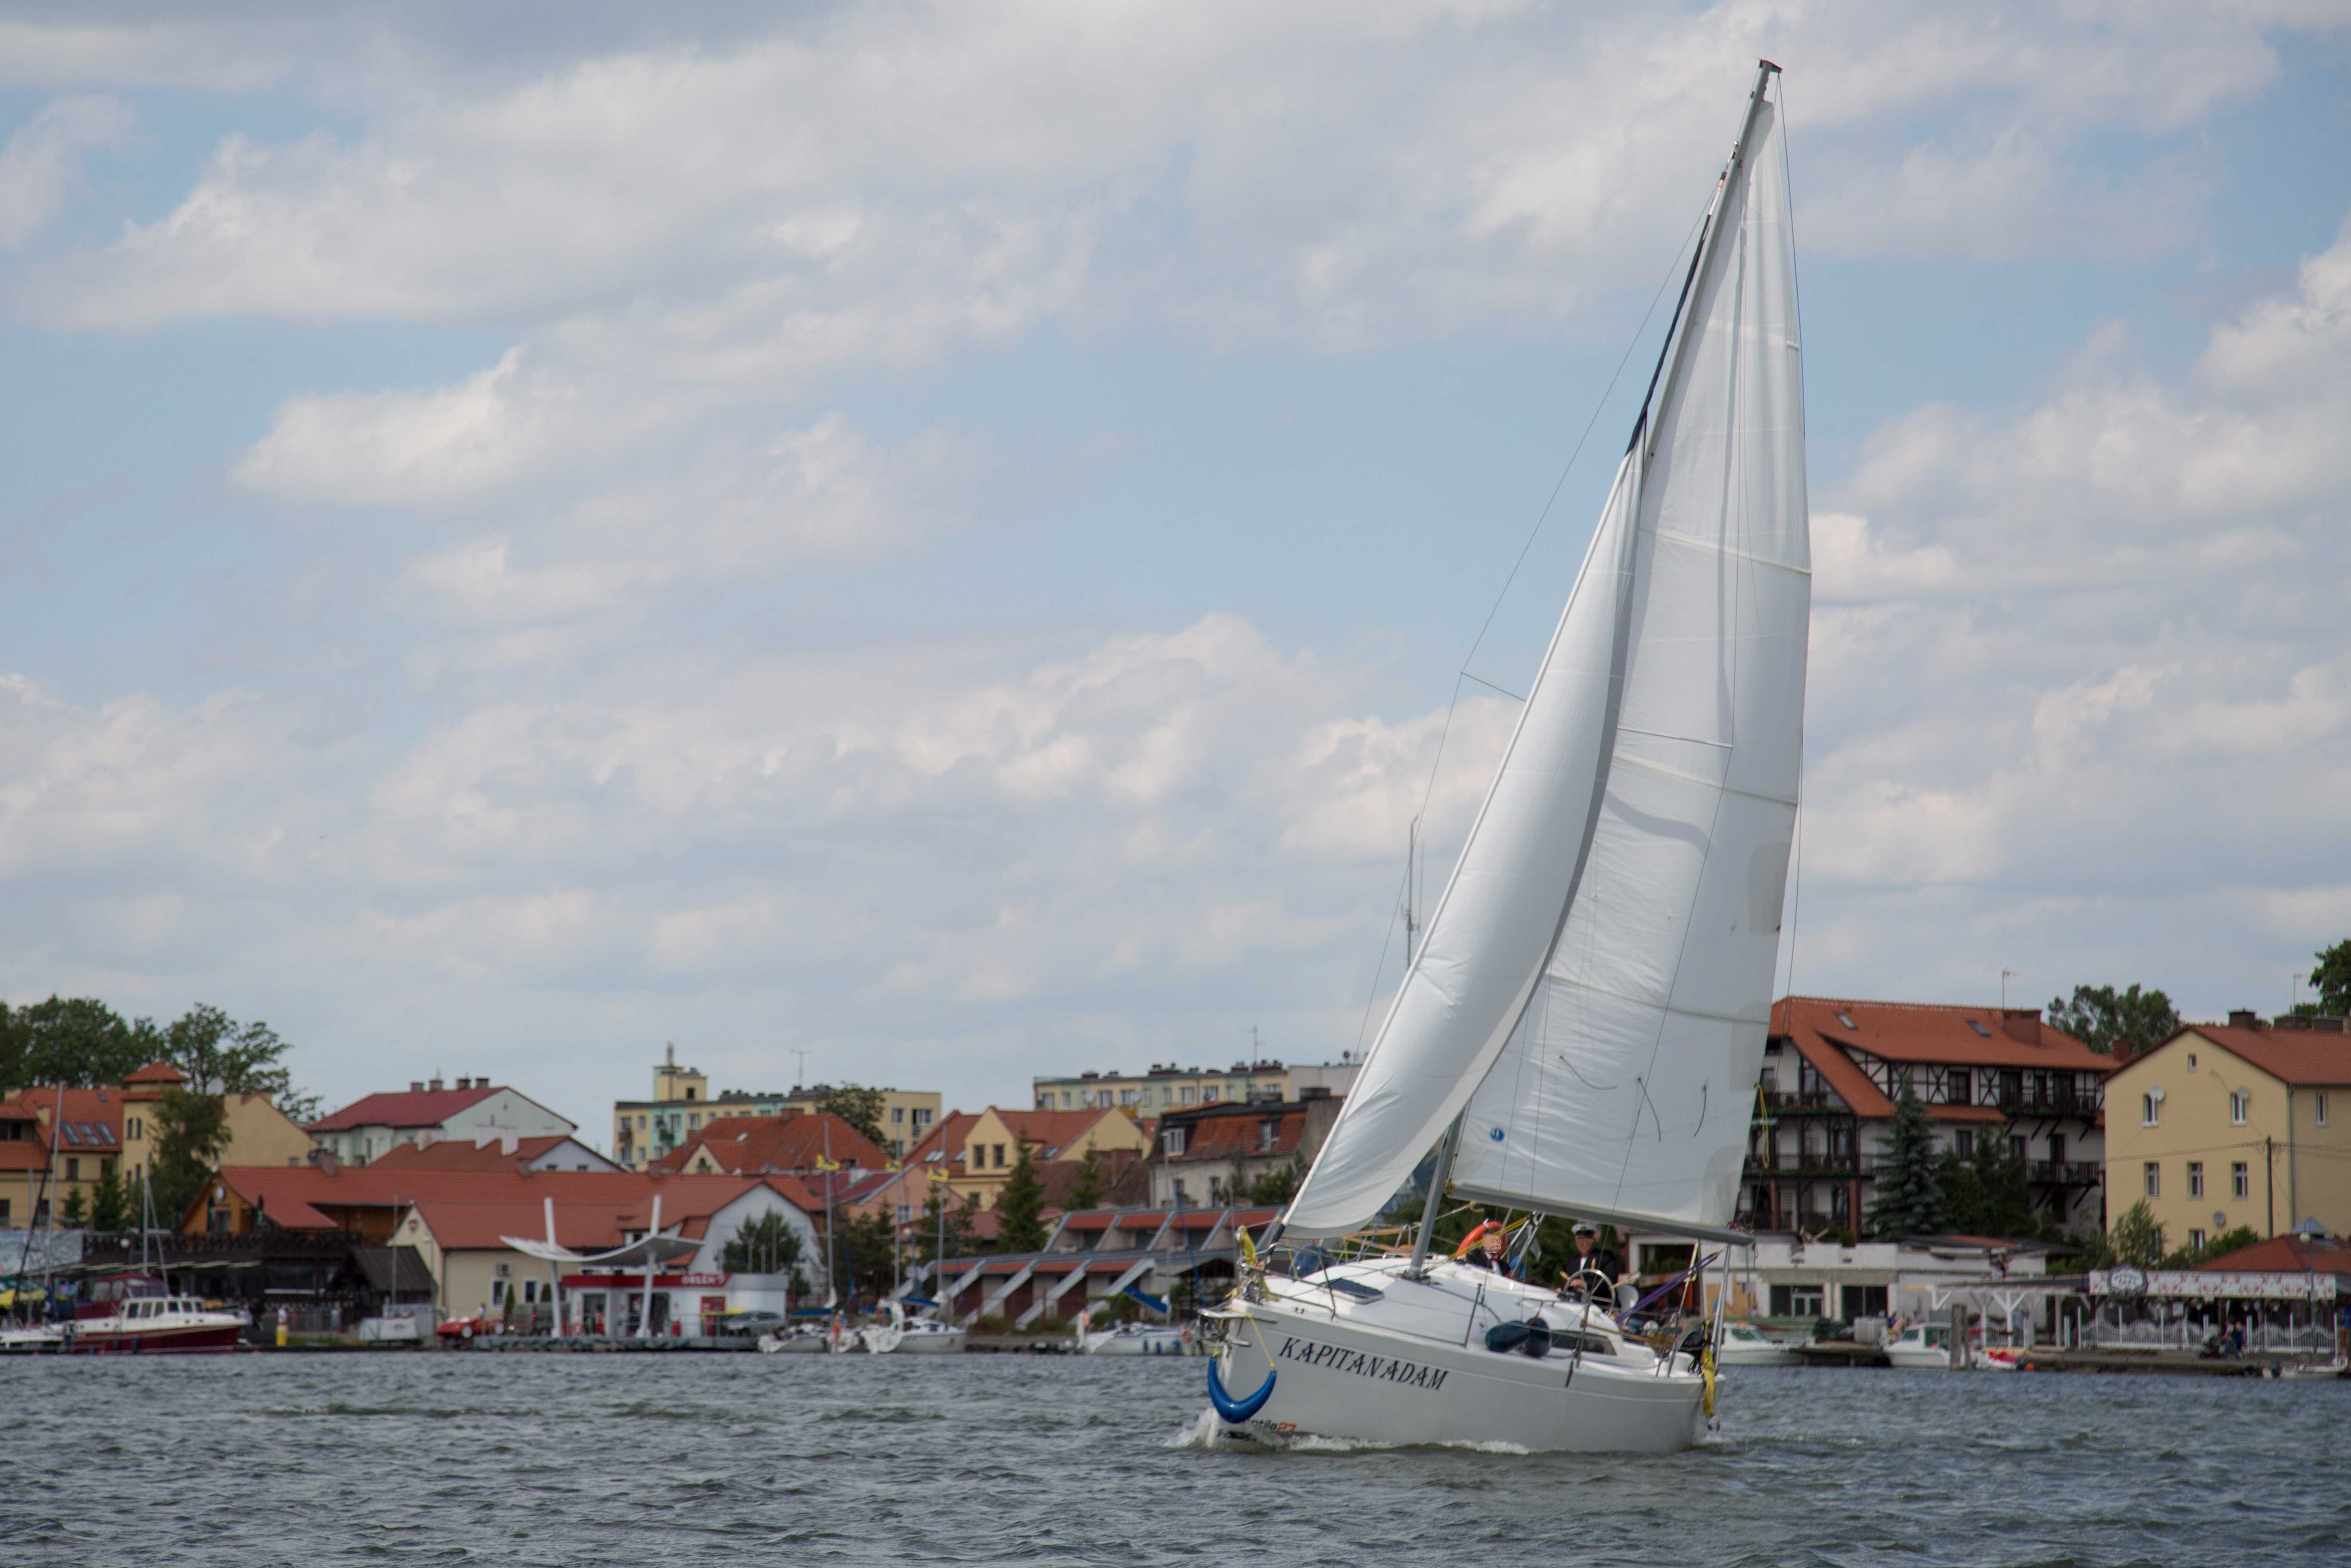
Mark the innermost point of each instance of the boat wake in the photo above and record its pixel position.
(1208, 1432)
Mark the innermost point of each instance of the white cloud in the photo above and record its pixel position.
(2085, 664)
(40, 163)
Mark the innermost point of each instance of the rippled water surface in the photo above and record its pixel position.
(640, 1459)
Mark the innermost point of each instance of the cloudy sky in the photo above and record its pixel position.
(943, 538)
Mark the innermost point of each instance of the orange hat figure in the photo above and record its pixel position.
(1482, 1248)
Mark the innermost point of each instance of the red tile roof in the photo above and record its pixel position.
(1931, 1033)
(1221, 1132)
(404, 1108)
(303, 1197)
(463, 1153)
(72, 1121)
(791, 1143)
(156, 1072)
(2299, 1057)
(2285, 1255)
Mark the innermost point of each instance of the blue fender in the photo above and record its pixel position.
(1236, 1411)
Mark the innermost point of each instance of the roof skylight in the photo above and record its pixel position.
(1846, 1020)
(1977, 1025)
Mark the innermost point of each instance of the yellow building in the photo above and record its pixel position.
(644, 1130)
(259, 1134)
(2242, 1123)
(980, 1150)
(1173, 1088)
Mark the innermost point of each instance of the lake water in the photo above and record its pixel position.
(655, 1459)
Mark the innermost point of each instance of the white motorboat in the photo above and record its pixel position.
(1138, 1339)
(1927, 1346)
(155, 1325)
(799, 1339)
(923, 1333)
(1744, 1344)
(24, 1339)
(1582, 1030)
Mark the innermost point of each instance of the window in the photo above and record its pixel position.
(1181, 1198)
(1978, 1028)
(2191, 1061)
(1208, 1095)
(1267, 1131)
(1840, 1204)
(897, 1115)
(1188, 1093)
(2195, 1240)
(2147, 1109)
(1964, 1140)
(905, 1212)
(1044, 1101)
(73, 1170)
(1173, 1139)
(1126, 1096)
(2321, 1098)
(1798, 1301)
(691, 1092)
(999, 1157)
(2239, 1101)
(2056, 1148)
(2196, 1179)
(2021, 1147)
(2154, 1179)
(1769, 1082)
(1861, 1301)
(1846, 1020)
(497, 1292)
(2240, 1180)
(530, 1293)
(1066, 1097)
(922, 1117)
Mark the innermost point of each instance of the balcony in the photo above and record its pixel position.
(2064, 1173)
(2061, 1101)
(1777, 1102)
(1804, 1163)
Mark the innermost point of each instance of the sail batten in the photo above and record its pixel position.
(1593, 991)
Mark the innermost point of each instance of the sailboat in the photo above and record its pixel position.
(1581, 1031)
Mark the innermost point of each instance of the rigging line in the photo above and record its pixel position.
(1386, 942)
(1429, 789)
(1504, 690)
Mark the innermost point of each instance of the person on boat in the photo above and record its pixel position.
(1484, 1247)
(1594, 1270)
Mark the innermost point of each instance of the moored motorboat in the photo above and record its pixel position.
(923, 1333)
(1925, 1347)
(1744, 1344)
(155, 1325)
(1138, 1339)
(799, 1339)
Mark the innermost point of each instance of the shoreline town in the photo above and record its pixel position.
(1107, 1213)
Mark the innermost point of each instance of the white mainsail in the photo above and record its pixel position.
(1593, 992)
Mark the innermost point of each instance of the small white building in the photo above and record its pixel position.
(1784, 1276)
(429, 1112)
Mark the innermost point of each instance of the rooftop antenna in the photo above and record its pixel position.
(802, 1082)
(2293, 997)
(2004, 973)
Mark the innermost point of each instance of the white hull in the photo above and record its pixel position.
(1738, 1351)
(1413, 1367)
(1934, 1358)
(914, 1341)
(1137, 1342)
(791, 1344)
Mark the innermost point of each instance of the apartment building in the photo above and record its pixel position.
(2233, 1124)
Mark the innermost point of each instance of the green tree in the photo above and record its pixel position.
(78, 1041)
(2226, 1242)
(764, 1244)
(191, 1131)
(1021, 1225)
(2332, 979)
(1909, 1201)
(1277, 1186)
(2098, 1016)
(861, 1107)
(110, 1203)
(1986, 1192)
(222, 1056)
(867, 1257)
(956, 1225)
(1085, 1188)
(72, 1215)
(2137, 1236)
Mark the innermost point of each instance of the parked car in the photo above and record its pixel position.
(753, 1323)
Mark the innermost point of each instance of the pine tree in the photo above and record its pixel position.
(1085, 1189)
(2137, 1236)
(110, 1203)
(1021, 1226)
(1909, 1201)
(71, 1215)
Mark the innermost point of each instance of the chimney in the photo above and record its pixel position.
(436, 1086)
(2290, 1021)
(2021, 1024)
(2325, 1025)
(2244, 1018)
(416, 1086)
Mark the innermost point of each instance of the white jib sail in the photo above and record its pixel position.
(1596, 985)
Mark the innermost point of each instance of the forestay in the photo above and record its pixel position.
(1595, 988)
